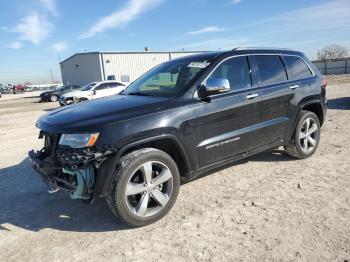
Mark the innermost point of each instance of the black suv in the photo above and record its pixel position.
(54, 95)
(177, 121)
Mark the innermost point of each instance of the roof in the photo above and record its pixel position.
(131, 52)
(237, 50)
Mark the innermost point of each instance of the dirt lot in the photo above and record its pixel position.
(269, 207)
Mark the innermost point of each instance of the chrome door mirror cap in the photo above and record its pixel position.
(215, 86)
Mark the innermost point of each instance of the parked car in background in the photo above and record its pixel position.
(92, 91)
(54, 95)
(18, 89)
(182, 119)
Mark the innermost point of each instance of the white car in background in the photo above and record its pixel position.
(92, 91)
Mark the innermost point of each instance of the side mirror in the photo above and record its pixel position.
(93, 92)
(215, 86)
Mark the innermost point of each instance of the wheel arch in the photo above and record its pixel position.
(170, 144)
(315, 106)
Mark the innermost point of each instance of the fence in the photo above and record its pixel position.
(334, 67)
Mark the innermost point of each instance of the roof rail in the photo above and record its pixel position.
(261, 48)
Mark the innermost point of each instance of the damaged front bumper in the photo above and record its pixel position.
(73, 170)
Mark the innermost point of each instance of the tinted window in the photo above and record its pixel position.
(112, 85)
(236, 71)
(271, 69)
(102, 86)
(297, 68)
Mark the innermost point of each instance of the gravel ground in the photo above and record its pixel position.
(268, 207)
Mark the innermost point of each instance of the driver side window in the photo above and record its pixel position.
(236, 71)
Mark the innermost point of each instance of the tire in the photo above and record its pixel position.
(131, 171)
(304, 141)
(53, 98)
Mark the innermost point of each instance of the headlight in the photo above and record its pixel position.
(78, 140)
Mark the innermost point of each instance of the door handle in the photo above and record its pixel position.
(251, 96)
(294, 86)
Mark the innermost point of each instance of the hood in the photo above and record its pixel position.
(96, 114)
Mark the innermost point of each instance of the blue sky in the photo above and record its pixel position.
(35, 34)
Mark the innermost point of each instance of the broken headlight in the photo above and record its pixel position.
(79, 140)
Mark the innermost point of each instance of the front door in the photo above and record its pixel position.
(228, 124)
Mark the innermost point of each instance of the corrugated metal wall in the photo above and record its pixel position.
(133, 65)
(81, 69)
(84, 68)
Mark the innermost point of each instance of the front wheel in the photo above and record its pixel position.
(306, 136)
(145, 187)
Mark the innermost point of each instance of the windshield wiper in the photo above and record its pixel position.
(137, 94)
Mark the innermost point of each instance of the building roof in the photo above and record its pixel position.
(131, 52)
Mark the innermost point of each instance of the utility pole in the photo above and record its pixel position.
(51, 76)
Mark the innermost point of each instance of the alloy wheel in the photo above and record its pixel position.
(149, 189)
(308, 135)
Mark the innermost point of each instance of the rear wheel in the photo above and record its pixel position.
(53, 98)
(306, 136)
(145, 187)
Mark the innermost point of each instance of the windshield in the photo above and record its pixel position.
(168, 79)
(88, 86)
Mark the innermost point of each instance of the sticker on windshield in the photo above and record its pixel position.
(199, 64)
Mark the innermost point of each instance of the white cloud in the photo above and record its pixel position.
(208, 29)
(129, 12)
(15, 45)
(49, 5)
(33, 28)
(59, 47)
(235, 1)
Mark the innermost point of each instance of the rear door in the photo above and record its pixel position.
(301, 80)
(276, 94)
(227, 124)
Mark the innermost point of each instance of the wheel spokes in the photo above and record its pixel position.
(141, 207)
(311, 140)
(164, 176)
(161, 198)
(134, 189)
(307, 123)
(313, 129)
(146, 170)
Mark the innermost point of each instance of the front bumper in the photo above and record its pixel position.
(73, 170)
(45, 169)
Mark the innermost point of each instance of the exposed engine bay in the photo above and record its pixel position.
(69, 169)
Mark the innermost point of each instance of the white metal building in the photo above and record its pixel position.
(83, 68)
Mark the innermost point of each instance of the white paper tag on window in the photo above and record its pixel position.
(199, 64)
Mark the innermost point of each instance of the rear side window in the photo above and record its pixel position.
(297, 68)
(271, 69)
(236, 71)
(102, 86)
(113, 85)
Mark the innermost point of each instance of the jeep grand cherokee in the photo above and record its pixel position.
(177, 121)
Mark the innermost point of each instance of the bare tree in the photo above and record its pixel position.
(332, 52)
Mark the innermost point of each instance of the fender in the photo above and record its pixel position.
(302, 104)
(106, 171)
